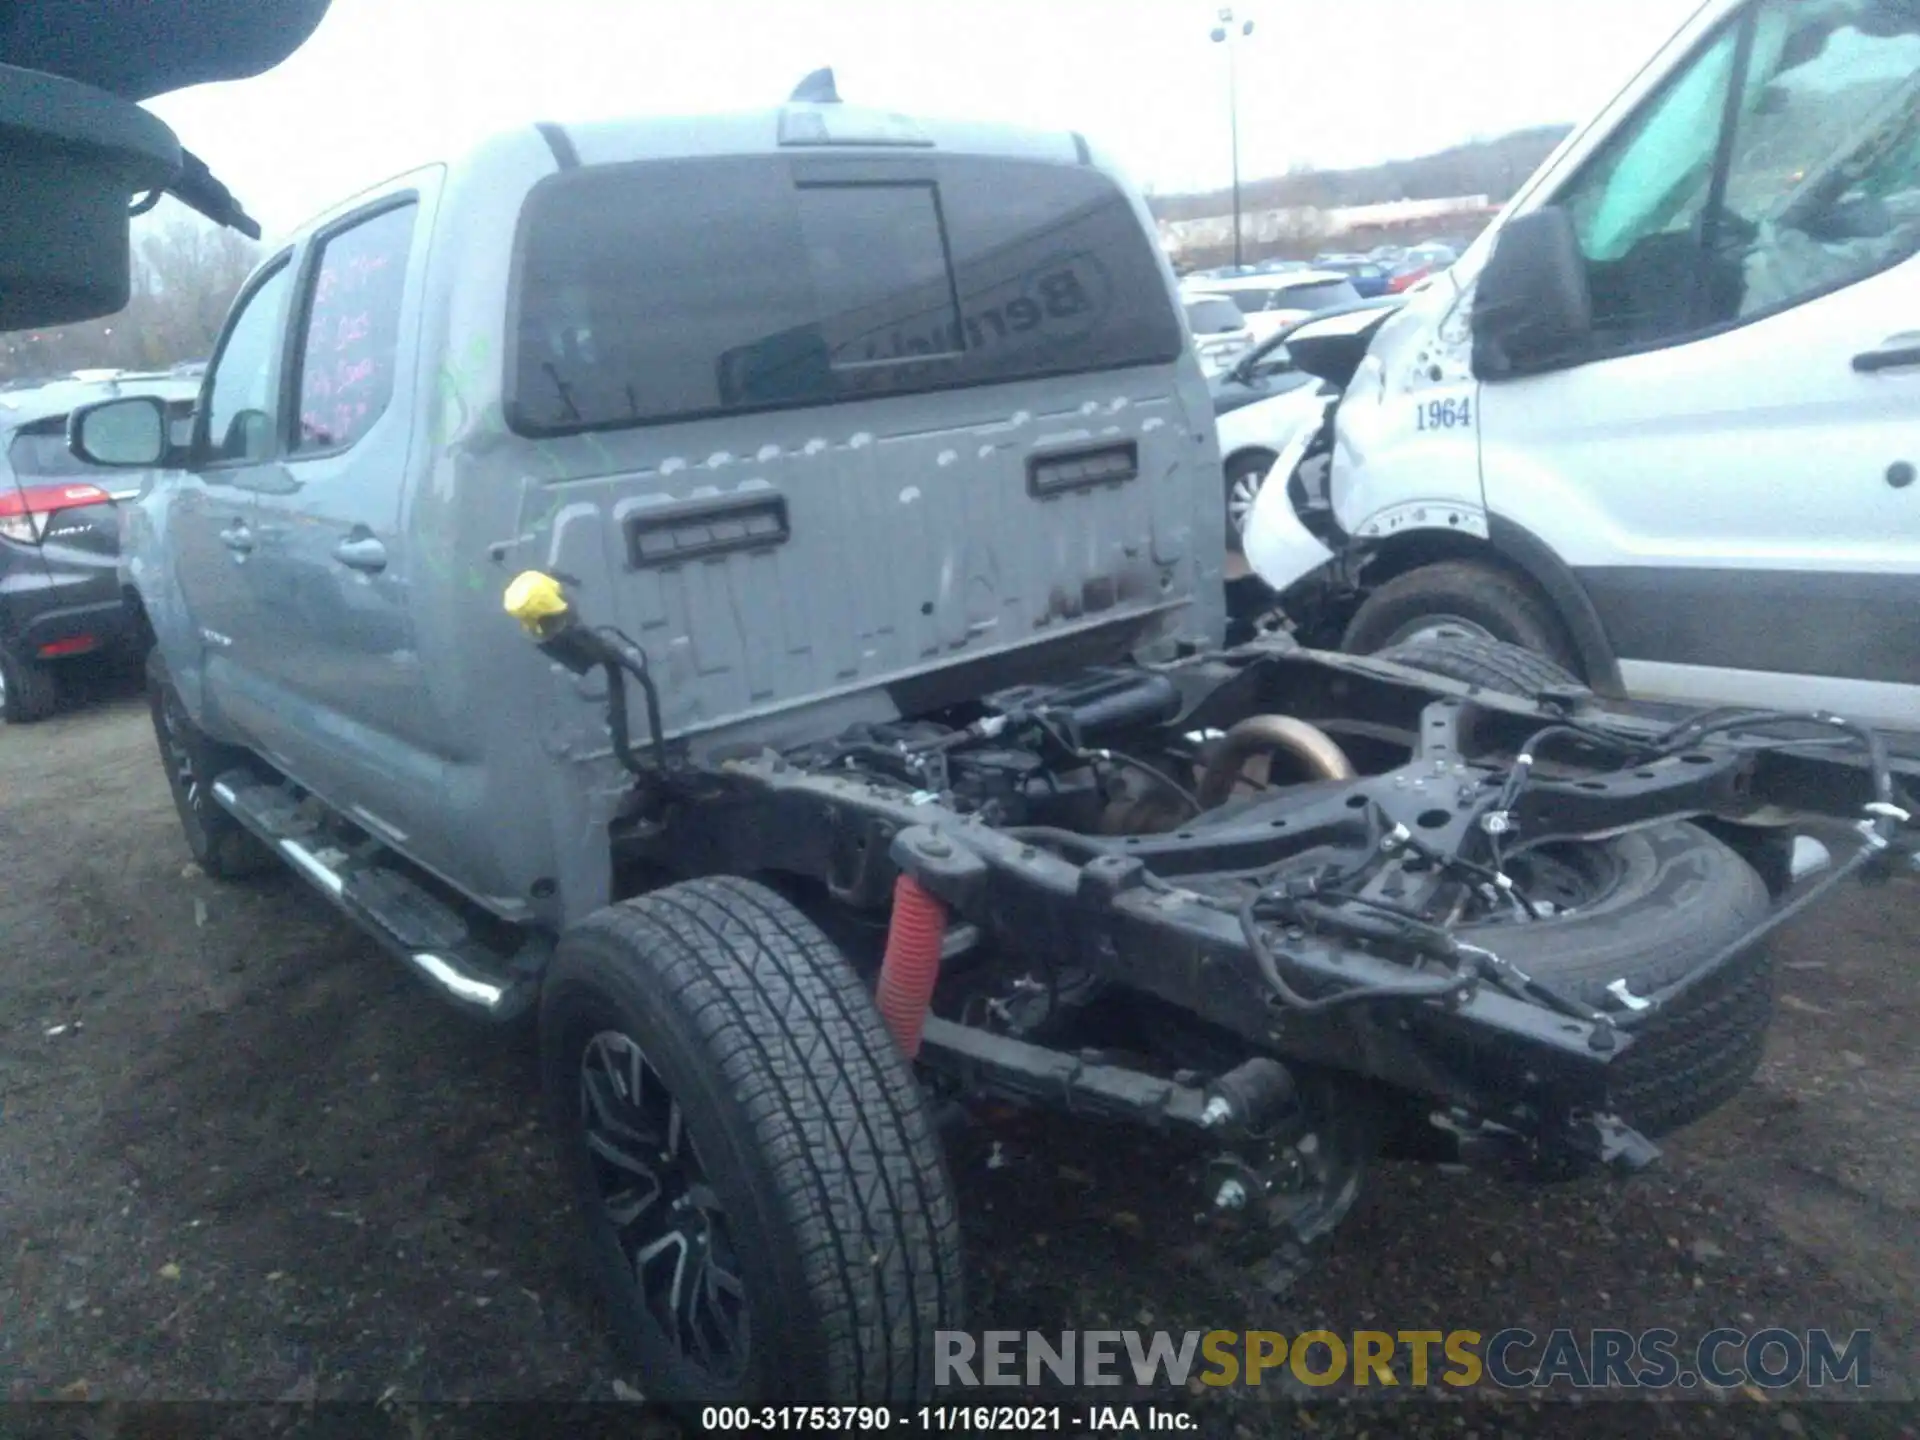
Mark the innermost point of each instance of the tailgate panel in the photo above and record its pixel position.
(857, 558)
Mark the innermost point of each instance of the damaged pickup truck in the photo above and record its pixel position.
(613, 568)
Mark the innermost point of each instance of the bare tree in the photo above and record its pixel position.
(185, 273)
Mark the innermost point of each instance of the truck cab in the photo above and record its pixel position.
(814, 402)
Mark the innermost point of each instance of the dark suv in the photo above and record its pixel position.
(60, 536)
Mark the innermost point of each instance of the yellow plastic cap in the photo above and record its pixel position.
(533, 599)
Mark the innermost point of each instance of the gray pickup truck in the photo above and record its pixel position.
(749, 591)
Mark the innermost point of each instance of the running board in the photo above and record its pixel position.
(367, 882)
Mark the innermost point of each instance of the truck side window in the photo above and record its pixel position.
(241, 407)
(1689, 226)
(353, 330)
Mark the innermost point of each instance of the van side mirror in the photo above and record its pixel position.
(1532, 309)
(129, 433)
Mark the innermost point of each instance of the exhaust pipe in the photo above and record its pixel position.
(1261, 734)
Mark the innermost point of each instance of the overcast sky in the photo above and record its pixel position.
(385, 84)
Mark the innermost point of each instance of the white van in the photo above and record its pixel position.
(1662, 421)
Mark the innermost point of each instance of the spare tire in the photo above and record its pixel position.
(1475, 660)
(1648, 908)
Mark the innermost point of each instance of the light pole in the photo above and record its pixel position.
(1227, 33)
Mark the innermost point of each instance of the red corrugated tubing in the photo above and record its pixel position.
(912, 962)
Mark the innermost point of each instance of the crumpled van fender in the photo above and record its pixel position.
(1278, 546)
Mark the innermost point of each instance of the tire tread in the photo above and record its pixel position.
(1492, 664)
(834, 1108)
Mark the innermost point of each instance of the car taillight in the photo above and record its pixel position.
(24, 509)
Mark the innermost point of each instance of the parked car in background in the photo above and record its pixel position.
(60, 536)
(1220, 333)
(1273, 302)
(1221, 272)
(1369, 277)
(1416, 264)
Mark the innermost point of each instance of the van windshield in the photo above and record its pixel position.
(669, 290)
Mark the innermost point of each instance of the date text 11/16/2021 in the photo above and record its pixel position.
(943, 1419)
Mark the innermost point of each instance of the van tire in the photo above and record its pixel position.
(1490, 664)
(805, 1130)
(1480, 597)
(220, 844)
(31, 690)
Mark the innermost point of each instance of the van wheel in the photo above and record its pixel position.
(1492, 664)
(28, 692)
(221, 845)
(1460, 598)
(1245, 475)
(767, 1208)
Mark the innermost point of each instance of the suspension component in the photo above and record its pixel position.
(1249, 1096)
(911, 966)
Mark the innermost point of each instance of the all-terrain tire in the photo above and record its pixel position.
(221, 845)
(806, 1122)
(1491, 664)
(30, 691)
(1471, 594)
(1668, 898)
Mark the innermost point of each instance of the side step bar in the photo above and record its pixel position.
(365, 881)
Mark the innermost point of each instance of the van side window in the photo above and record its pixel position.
(242, 410)
(352, 330)
(1823, 185)
(1700, 213)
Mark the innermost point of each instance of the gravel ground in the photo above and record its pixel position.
(243, 1157)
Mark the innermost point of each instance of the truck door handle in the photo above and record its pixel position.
(362, 552)
(237, 538)
(1894, 353)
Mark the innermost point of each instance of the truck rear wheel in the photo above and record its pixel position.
(221, 846)
(767, 1207)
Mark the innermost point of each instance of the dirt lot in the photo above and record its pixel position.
(243, 1156)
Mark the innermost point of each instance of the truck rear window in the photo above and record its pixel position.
(675, 289)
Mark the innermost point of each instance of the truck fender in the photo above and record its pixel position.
(152, 590)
